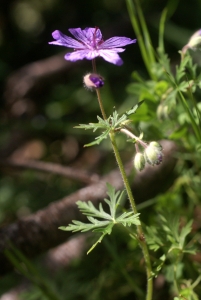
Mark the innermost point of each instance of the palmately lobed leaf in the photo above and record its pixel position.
(99, 220)
(128, 219)
(88, 209)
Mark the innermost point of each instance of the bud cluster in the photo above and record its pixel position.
(152, 155)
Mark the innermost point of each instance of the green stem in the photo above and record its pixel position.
(141, 237)
(175, 280)
(196, 282)
(145, 31)
(136, 27)
(123, 173)
(184, 103)
(98, 92)
(101, 104)
(161, 30)
(190, 93)
(191, 117)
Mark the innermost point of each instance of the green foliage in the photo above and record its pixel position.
(27, 269)
(114, 122)
(93, 214)
(169, 235)
(171, 239)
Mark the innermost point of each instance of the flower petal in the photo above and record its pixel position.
(93, 34)
(64, 40)
(89, 36)
(81, 54)
(114, 49)
(89, 44)
(111, 56)
(117, 41)
(79, 34)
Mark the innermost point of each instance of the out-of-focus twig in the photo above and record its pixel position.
(52, 168)
(22, 81)
(39, 232)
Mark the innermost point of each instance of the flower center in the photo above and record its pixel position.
(96, 42)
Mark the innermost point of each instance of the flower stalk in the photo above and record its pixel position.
(98, 93)
(140, 233)
(100, 104)
(140, 236)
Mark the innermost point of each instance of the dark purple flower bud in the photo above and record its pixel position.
(93, 81)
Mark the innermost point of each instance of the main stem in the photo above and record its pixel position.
(141, 237)
(140, 232)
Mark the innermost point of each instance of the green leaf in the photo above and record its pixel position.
(170, 238)
(180, 70)
(111, 123)
(178, 133)
(128, 219)
(99, 138)
(184, 232)
(83, 227)
(198, 147)
(133, 110)
(115, 199)
(154, 238)
(101, 125)
(143, 90)
(88, 209)
(108, 230)
(100, 220)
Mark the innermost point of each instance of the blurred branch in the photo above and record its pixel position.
(53, 168)
(21, 82)
(39, 232)
(27, 85)
(61, 256)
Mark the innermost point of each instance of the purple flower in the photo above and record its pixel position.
(88, 43)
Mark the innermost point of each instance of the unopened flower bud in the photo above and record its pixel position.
(194, 42)
(156, 145)
(162, 112)
(93, 81)
(139, 161)
(153, 153)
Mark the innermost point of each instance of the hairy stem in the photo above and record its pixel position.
(141, 237)
(98, 92)
(101, 104)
